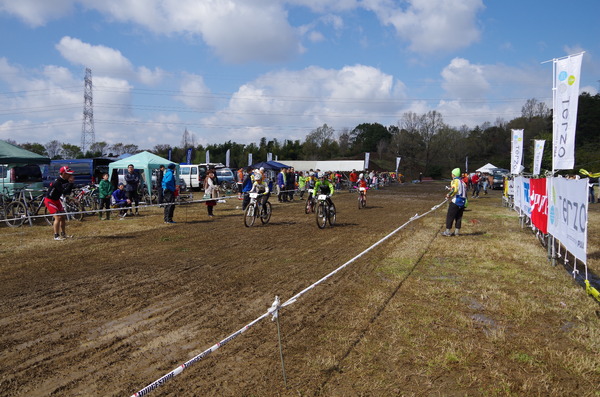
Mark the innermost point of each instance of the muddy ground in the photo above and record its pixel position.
(124, 302)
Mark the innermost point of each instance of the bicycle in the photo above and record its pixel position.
(256, 210)
(325, 212)
(22, 208)
(310, 204)
(362, 197)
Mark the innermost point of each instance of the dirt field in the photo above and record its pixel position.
(124, 302)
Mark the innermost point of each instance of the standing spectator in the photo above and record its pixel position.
(119, 200)
(105, 190)
(484, 182)
(290, 183)
(132, 178)
(420, 177)
(159, 179)
(246, 187)
(338, 180)
(592, 196)
(168, 187)
(302, 178)
(61, 186)
(475, 182)
(240, 182)
(281, 180)
(353, 177)
(456, 207)
(211, 190)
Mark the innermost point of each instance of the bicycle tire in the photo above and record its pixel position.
(321, 216)
(75, 209)
(249, 216)
(308, 208)
(16, 213)
(49, 218)
(266, 217)
(331, 215)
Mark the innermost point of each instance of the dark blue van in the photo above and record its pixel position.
(87, 171)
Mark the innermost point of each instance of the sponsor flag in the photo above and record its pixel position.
(567, 213)
(227, 157)
(207, 157)
(397, 163)
(538, 151)
(249, 159)
(269, 156)
(467, 164)
(516, 154)
(567, 73)
(538, 199)
(188, 157)
(367, 155)
(169, 154)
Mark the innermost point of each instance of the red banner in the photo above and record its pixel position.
(539, 204)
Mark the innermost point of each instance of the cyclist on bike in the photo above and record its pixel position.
(260, 186)
(61, 186)
(324, 186)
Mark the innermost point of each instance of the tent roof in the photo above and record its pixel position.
(11, 154)
(270, 165)
(489, 167)
(141, 160)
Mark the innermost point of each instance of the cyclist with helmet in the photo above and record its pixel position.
(324, 186)
(260, 186)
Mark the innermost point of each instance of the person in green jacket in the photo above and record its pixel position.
(324, 186)
(302, 184)
(105, 190)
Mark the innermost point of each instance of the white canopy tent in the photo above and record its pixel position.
(488, 168)
(331, 165)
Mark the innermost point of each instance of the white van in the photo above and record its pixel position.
(193, 174)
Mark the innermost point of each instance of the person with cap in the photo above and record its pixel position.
(168, 187)
(61, 186)
(159, 178)
(458, 200)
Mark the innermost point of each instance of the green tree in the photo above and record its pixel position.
(35, 148)
(70, 151)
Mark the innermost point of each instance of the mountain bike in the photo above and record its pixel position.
(362, 197)
(325, 212)
(256, 210)
(24, 207)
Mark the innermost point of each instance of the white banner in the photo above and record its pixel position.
(538, 151)
(522, 199)
(516, 153)
(567, 213)
(367, 155)
(269, 156)
(397, 163)
(227, 157)
(207, 157)
(249, 159)
(566, 97)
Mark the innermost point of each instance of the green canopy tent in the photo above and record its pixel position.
(25, 164)
(145, 161)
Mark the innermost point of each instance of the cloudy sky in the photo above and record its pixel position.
(244, 69)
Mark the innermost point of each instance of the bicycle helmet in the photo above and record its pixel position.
(361, 176)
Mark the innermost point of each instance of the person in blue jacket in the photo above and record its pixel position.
(119, 200)
(168, 186)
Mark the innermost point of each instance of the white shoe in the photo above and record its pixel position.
(59, 238)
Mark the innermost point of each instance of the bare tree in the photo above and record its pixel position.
(187, 140)
(53, 148)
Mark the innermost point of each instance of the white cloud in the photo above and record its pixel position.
(464, 80)
(98, 57)
(431, 25)
(194, 93)
(34, 12)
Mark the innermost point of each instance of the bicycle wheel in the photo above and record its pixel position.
(331, 215)
(266, 213)
(360, 204)
(75, 210)
(249, 216)
(16, 213)
(308, 208)
(321, 215)
(48, 216)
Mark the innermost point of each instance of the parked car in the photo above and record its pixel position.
(498, 175)
(193, 174)
(20, 176)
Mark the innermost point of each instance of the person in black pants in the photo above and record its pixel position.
(159, 179)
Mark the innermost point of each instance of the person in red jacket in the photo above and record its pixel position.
(353, 177)
(475, 182)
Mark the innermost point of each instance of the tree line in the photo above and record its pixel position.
(424, 142)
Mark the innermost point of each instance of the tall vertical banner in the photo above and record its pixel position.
(538, 151)
(188, 156)
(467, 164)
(269, 156)
(516, 153)
(169, 154)
(397, 163)
(227, 157)
(538, 198)
(567, 214)
(367, 155)
(566, 98)
(249, 159)
(207, 157)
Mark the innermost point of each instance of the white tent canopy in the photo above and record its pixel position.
(145, 161)
(489, 167)
(331, 165)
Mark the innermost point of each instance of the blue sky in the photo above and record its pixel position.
(240, 70)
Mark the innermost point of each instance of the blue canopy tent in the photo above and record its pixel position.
(269, 165)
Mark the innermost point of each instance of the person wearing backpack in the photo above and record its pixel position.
(458, 200)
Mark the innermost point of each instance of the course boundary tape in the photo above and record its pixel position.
(273, 310)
